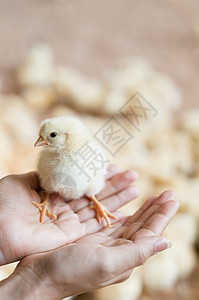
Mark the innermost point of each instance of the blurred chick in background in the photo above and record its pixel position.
(59, 167)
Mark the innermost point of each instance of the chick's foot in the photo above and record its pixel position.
(43, 208)
(101, 211)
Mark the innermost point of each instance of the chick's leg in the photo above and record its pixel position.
(101, 211)
(43, 207)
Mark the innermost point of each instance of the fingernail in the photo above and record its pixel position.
(162, 244)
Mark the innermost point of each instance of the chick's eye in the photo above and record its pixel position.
(53, 134)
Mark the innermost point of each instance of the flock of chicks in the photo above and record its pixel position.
(164, 151)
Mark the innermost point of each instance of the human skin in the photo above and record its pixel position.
(22, 233)
(97, 260)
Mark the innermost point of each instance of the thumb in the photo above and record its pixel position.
(129, 254)
(146, 247)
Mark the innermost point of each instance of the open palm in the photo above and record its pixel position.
(105, 257)
(132, 240)
(22, 233)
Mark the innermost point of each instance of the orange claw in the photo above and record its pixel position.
(43, 208)
(101, 211)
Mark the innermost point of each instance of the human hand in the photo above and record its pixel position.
(21, 232)
(100, 259)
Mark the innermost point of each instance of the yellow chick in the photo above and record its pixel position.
(71, 164)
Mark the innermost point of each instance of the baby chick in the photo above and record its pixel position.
(67, 142)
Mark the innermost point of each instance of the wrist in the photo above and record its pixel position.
(14, 287)
(35, 281)
(26, 284)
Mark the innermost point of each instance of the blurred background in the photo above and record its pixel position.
(64, 57)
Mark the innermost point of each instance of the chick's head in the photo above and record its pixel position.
(63, 134)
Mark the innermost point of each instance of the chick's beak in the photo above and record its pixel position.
(40, 142)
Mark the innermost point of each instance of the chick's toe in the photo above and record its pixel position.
(101, 211)
(43, 208)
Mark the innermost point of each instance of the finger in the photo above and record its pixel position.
(109, 231)
(133, 227)
(31, 179)
(117, 183)
(150, 206)
(119, 232)
(113, 170)
(78, 204)
(114, 185)
(136, 221)
(112, 203)
(165, 196)
(123, 257)
(121, 198)
(146, 226)
(156, 224)
(91, 225)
